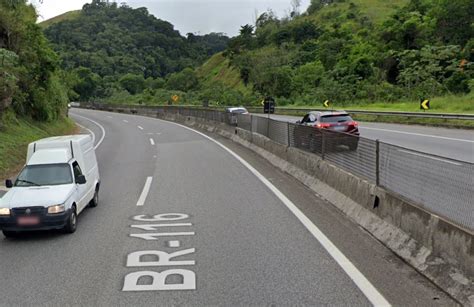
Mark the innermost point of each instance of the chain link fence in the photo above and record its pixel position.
(440, 185)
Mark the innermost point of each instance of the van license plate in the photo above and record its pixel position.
(28, 220)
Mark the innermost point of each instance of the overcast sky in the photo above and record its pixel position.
(196, 16)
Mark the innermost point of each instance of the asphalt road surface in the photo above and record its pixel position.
(456, 144)
(185, 221)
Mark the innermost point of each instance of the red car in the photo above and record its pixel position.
(341, 130)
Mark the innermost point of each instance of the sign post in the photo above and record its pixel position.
(269, 105)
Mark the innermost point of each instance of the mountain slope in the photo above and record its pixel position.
(66, 16)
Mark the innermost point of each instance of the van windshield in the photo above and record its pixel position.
(46, 174)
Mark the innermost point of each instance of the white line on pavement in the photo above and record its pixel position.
(90, 131)
(125, 121)
(372, 294)
(419, 134)
(108, 116)
(140, 127)
(429, 157)
(146, 190)
(152, 142)
(174, 243)
(97, 124)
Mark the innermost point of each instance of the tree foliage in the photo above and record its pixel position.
(30, 75)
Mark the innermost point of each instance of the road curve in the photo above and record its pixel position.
(229, 229)
(456, 144)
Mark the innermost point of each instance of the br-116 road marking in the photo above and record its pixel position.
(160, 258)
(152, 142)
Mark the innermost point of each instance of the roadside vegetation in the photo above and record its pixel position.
(18, 132)
(33, 98)
(368, 54)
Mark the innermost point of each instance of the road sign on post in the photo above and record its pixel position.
(175, 98)
(269, 105)
(326, 104)
(424, 104)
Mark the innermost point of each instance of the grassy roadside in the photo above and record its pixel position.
(17, 133)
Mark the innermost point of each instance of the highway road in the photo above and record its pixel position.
(222, 224)
(456, 144)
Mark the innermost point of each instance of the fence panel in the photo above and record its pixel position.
(441, 185)
(278, 131)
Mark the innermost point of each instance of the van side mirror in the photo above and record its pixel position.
(8, 183)
(81, 179)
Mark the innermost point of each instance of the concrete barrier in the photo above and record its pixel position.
(436, 248)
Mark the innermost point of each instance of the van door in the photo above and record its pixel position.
(81, 189)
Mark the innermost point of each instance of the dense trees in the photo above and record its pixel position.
(115, 47)
(29, 69)
(335, 51)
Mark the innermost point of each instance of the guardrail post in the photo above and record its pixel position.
(323, 147)
(377, 162)
(289, 137)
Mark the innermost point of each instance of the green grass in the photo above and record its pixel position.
(376, 10)
(217, 69)
(17, 133)
(446, 104)
(66, 16)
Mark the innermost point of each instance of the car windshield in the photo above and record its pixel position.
(240, 111)
(335, 119)
(41, 175)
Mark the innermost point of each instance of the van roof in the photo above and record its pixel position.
(50, 156)
(65, 138)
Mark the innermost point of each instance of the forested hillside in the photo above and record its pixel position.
(357, 51)
(30, 77)
(109, 49)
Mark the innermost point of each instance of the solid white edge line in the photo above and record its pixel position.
(429, 157)
(372, 294)
(152, 142)
(91, 132)
(146, 190)
(362, 127)
(98, 125)
(419, 134)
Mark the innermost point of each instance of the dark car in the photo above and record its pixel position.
(338, 127)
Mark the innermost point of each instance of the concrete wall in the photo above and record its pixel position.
(438, 249)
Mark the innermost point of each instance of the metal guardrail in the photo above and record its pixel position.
(280, 110)
(440, 185)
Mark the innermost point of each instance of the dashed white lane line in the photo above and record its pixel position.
(429, 157)
(152, 142)
(140, 127)
(146, 190)
(372, 294)
(108, 116)
(98, 125)
(419, 134)
(125, 121)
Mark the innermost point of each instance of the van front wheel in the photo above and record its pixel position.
(71, 224)
(95, 201)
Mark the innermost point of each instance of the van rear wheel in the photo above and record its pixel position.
(10, 234)
(95, 201)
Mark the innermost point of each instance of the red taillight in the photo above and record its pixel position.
(323, 125)
(354, 124)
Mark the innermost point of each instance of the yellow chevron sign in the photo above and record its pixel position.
(425, 104)
(326, 104)
(175, 98)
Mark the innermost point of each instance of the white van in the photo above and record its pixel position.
(59, 180)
